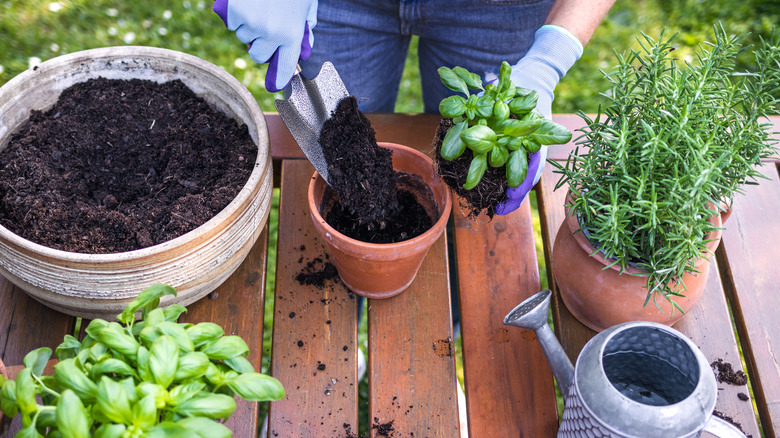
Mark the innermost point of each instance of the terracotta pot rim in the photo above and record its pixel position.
(385, 249)
(574, 227)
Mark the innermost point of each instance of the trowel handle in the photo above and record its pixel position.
(722, 428)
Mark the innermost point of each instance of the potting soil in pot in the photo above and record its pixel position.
(369, 206)
(118, 165)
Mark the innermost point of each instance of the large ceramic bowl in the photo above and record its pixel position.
(101, 285)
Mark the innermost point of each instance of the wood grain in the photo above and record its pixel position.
(509, 384)
(315, 329)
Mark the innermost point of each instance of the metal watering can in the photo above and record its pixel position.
(636, 379)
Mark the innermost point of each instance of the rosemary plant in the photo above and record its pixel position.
(673, 142)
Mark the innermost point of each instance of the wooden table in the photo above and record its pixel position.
(509, 387)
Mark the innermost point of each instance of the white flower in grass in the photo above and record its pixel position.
(162, 31)
(2, 69)
(201, 5)
(129, 37)
(33, 61)
(187, 5)
(185, 36)
(167, 15)
(112, 12)
(55, 6)
(112, 30)
(54, 47)
(240, 63)
(146, 24)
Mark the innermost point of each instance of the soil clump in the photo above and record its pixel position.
(119, 165)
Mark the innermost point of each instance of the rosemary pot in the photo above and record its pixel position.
(600, 296)
(384, 270)
(101, 285)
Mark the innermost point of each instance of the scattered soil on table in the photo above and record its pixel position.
(728, 418)
(317, 273)
(488, 193)
(359, 171)
(724, 373)
(383, 429)
(118, 165)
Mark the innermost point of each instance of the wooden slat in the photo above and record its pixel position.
(411, 365)
(752, 250)
(238, 306)
(319, 402)
(509, 385)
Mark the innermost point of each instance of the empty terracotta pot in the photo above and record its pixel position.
(384, 270)
(601, 298)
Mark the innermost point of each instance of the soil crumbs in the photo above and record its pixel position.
(724, 373)
(489, 192)
(118, 165)
(317, 273)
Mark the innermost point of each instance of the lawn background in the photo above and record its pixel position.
(33, 31)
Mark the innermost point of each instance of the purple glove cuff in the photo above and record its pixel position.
(221, 9)
(516, 196)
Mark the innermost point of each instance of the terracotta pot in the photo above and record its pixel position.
(101, 285)
(601, 298)
(384, 270)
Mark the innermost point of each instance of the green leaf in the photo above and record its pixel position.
(257, 387)
(111, 366)
(8, 399)
(452, 81)
(485, 106)
(205, 428)
(147, 300)
(168, 429)
(182, 393)
(163, 360)
(550, 132)
(145, 412)
(116, 338)
(520, 127)
(498, 156)
(110, 431)
(159, 393)
(500, 111)
(178, 333)
(69, 376)
(207, 405)
(515, 143)
(113, 401)
(192, 365)
(72, 418)
(516, 168)
(452, 146)
(523, 102)
(204, 332)
(452, 106)
(37, 359)
(28, 432)
(225, 348)
(240, 364)
(531, 144)
(479, 139)
(476, 170)
(173, 312)
(503, 77)
(472, 80)
(142, 364)
(69, 348)
(25, 392)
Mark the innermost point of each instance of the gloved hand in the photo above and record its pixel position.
(278, 32)
(553, 52)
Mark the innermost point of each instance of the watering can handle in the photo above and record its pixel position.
(722, 428)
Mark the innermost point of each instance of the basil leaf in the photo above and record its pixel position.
(225, 348)
(69, 348)
(214, 375)
(524, 101)
(479, 139)
(472, 80)
(145, 412)
(36, 360)
(116, 338)
(503, 77)
(452, 146)
(516, 168)
(208, 405)
(520, 127)
(452, 106)
(205, 428)
(25, 392)
(452, 80)
(159, 393)
(240, 364)
(173, 312)
(8, 399)
(142, 364)
(204, 332)
(113, 402)
(515, 143)
(485, 106)
(531, 145)
(498, 156)
(147, 300)
(551, 133)
(178, 333)
(182, 393)
(476, 170)
(168, 429)
(72, 419)
(111, 366)
(28, 432)
(500, 111)
(110, 430)
(163, 360)
(257, 387)
(70, 376)
(191, 365)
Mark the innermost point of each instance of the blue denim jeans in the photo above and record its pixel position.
(368, 40)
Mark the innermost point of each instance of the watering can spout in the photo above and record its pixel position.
(532, 314)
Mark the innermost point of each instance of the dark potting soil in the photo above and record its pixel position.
(359, 171)
(118, 165)
(725, 373)
(488, 193)
(317, 273)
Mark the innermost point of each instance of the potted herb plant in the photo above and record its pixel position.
(649, 173)
(488, 136)
(152, 377)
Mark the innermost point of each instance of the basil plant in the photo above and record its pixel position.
(498, 124)
(150, 378)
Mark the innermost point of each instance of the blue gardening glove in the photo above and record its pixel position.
(278, 32)
(553, 52)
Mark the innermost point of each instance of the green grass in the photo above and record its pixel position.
(35, 30)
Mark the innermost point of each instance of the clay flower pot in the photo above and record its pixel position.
(101, 285)
(601, 298)
(384, 270)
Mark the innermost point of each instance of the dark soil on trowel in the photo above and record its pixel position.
(119, 165)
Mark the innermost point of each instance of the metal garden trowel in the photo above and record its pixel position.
(310, 104)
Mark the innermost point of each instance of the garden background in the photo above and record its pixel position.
(32, 31)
